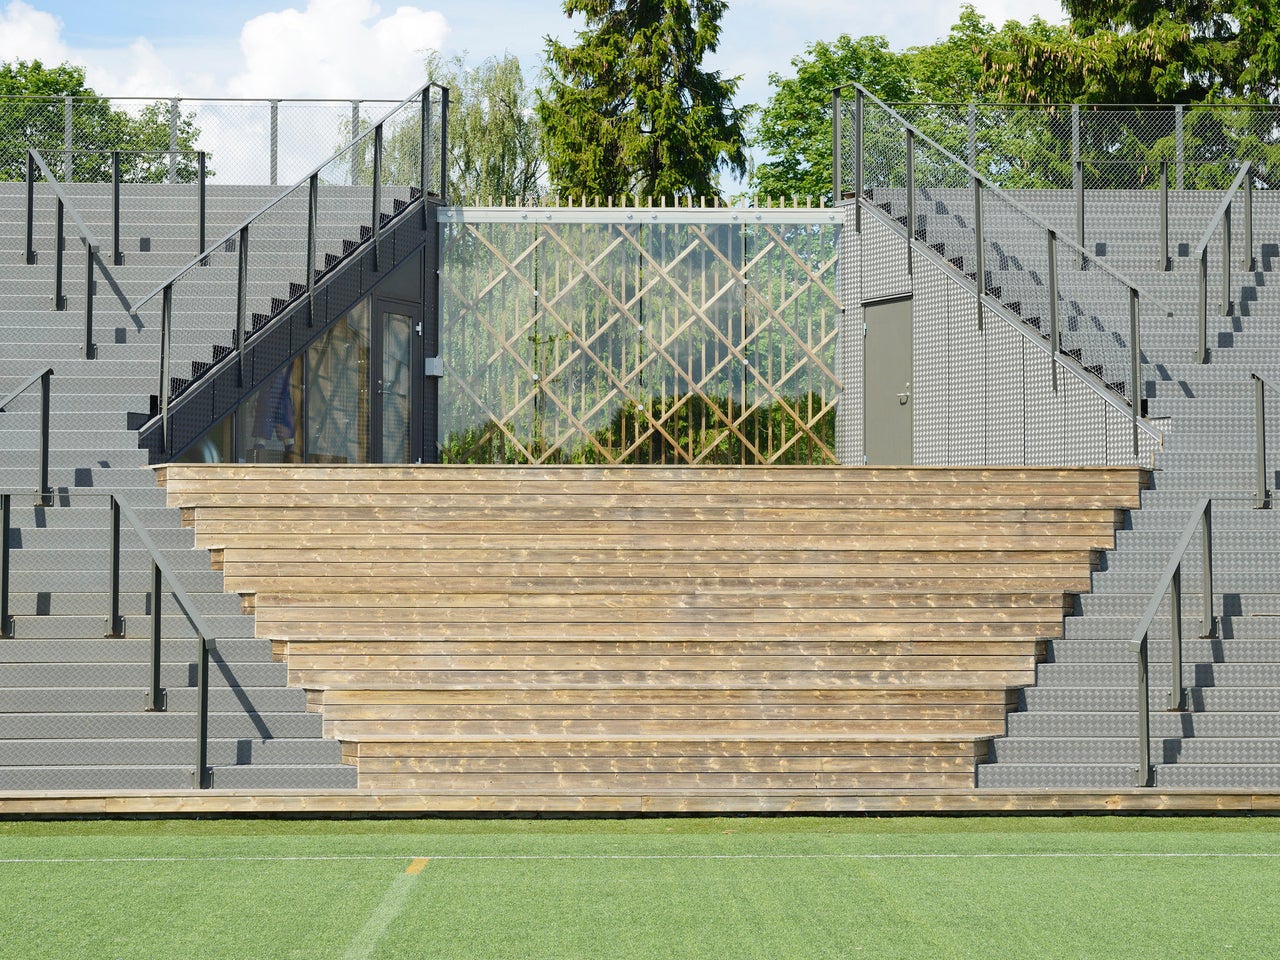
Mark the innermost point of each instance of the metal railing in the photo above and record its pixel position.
(363, 160)
(1262, 491)
(1171, 582)
(1102, 354)
(1243, 181)
(43, 491)
(92, 247)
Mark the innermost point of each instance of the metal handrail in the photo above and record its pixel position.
(1261, 494)
(43, 491)
(1223, 216)
(92, 247)
(1171, 581)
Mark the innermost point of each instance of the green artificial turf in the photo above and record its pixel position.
(683, 888)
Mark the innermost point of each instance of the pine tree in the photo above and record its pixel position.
(629, 109)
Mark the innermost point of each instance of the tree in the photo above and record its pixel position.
(1146, 51)
(630, 110)
(33, 113)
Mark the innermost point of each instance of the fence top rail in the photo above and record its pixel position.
(1082, 107)
(1004, 197)
(175, 585)
(83, 227)
(1166, 578)
(168, 98)
(48, 372)
(640, 215)
(145, 153)
(422, 91)
(1245, 171)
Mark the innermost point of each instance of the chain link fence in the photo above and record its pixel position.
(259, 142)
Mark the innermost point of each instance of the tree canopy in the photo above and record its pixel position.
(630, 110)
(33, 113)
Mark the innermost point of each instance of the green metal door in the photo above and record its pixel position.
(887, 391)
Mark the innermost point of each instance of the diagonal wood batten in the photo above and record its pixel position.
(647, 638)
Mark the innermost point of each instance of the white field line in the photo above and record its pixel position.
(384, 914)
(1118, 855)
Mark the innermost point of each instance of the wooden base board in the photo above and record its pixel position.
(296, 803)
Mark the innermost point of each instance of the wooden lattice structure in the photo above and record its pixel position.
(639, 336)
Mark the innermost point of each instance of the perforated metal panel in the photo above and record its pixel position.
(849, 344)
(968, 359)
(1006, 389)
(931, 322)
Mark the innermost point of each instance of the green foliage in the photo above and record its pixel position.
(33, 114)
(629, 109)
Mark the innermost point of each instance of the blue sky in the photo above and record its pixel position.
(361, 48)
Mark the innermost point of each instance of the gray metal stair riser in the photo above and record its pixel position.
(80, 368)
(1125, 675)
(89, 519)
(1112, 605)
(1125, 724)
(94, 559)
(175, 778)
(1121, 628)
(86, 538)
(172, 674)
(51, 603)
(1222, 776)
(73, 479)
(1055, 750)
(93, 583)
(1119, 699)
(73, 699)
(77, 501)
(75, 384)
(1141, 582)
(163, 752)
(109, 650)
(1094, 776)
(1194, 650)
(91, 627)
(1244, 518)
(168, 725)
(61, 459)
(1227, 540)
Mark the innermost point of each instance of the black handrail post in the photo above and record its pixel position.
(200, 779)
(90, 348)
(837, 160)
(115, 622)
(911, 194)
(444, 144)
(1079, 190)
(979, 256)
(1207, 626)
(1135, 364)
(59, 301)
(1225, 310)
(1142, 776)
(1202, 309)
(166, 348)
(242, 301)
(44, 493)
(1055, 338)
(1249, 262)
(200, 202)
(117, 255)
(6, 621)
(31, 207)
(424, 149)
(313, 213)
(1165, 263)
(858, 110)
(376, 223)
(1261, 496)
(1177, 694)
(157, 698)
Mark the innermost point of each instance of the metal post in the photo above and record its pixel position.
(44, 493)
(117, 255)
(68, 141)
(444, 144)
(201, 201)
(1226, 261)
(1248, 222)
(1179, 143)
(1055, 339)
(1207, 626)
(979, 267)
(1135, 365)
(200, 776)
(166, 349)
(115, 622)
(313, 207)
(31, 206)
(1079, 190)
(1165, 263)
(355, 132)
(1202, 309)
(1262, 496)
(911, 193)
(973, 135)
(858, 113)
(376, 232)
(90, 348)
(424, 152)
(275, 142)
(156, 696)
(837, 161)
(173, 140)
(1177, 695)
(6, 621)
(1142, 776)
(242, 301)
(59, 301)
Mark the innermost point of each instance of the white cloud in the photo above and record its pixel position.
(337, 48)
(30, 34)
